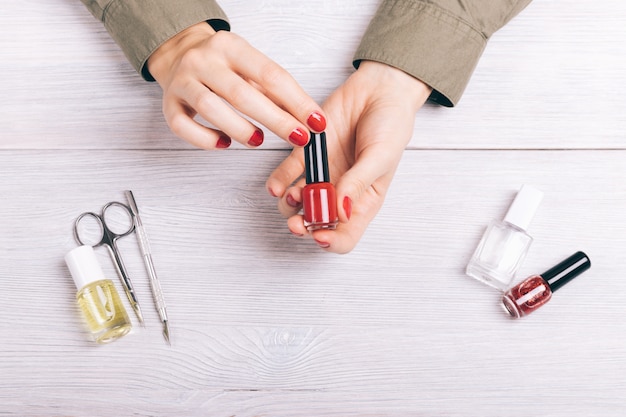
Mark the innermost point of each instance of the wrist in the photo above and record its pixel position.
(386, 75)
(165, 57)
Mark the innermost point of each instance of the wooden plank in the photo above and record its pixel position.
(264, 323)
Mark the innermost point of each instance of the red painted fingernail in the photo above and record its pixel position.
(296, 234)
(223, 142)
(256, 139)
(272, 193)
(298, 137)
(316, 122)
(347, 206)
(322, 244)
(292, 201)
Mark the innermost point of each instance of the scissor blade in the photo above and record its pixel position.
(137, 309)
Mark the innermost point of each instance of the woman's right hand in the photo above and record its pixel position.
(216, 75)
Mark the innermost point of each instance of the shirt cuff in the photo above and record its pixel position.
(139, 29)
(427, 42)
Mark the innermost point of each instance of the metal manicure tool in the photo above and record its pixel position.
(157, 293)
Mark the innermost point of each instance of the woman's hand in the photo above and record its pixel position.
(213, 74)
(371, 118)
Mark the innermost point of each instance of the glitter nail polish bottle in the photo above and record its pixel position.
(537, 290)
(505, 243)
(97, 297)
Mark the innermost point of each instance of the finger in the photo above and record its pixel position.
(291, 203)
(342, 240)
(279, 86)
(286, 173)
(373, 163)
(347, 235)
(215, 111)
(180, 120)
(296, 226)
(253, 103)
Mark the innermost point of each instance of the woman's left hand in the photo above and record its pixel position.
(370, 122)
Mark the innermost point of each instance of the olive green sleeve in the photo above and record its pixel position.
(139, 27)
(437, 41)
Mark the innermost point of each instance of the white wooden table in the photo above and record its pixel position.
(264, 324)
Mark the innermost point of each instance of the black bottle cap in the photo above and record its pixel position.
(316, 160)
(567, 270)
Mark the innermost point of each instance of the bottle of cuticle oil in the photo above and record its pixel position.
(97, 297)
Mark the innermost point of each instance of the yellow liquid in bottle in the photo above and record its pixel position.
(103, 309)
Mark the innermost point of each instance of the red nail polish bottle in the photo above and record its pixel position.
(537, 290)
(319, 199)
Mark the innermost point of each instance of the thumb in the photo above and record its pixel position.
(371, 174)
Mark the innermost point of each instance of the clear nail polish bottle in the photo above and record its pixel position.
(505, 243)
(97, 297)
(537, 290)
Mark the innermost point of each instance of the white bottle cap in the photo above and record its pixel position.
(524, 207)
(84, 266)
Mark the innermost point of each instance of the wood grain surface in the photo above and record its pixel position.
(265, 324)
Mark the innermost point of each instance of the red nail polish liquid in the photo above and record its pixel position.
(529, 295)
(537, 290)
(319, 199)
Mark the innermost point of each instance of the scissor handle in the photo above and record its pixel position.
(100, 222)
(131, 220)
(106, 235)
